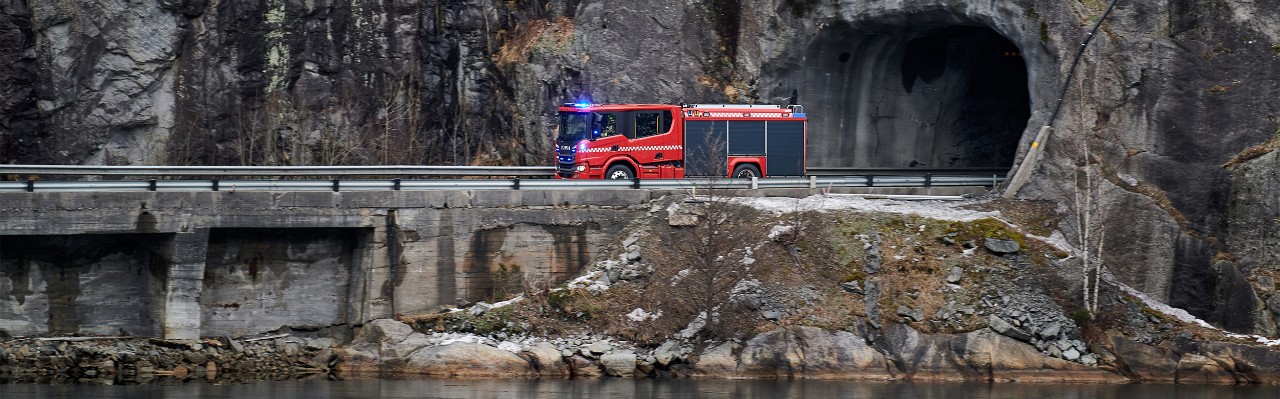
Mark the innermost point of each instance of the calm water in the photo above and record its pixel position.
(630, 388)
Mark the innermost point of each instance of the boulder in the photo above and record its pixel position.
(1005, 328)
(583, 367)
(1010, 360)
(1001, 246)
(1197, 369)
(798, 352)
(599, 347)
(619, 363)
(548, 360)
(667, 353)
(1148, 363)
(466, 360)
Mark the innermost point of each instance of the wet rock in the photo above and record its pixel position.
(1001, 246)
(585, 368)
(1197, 369)
(465, 359)
(801, 352)
(548, 360)
(1147, 362)
(619, 363)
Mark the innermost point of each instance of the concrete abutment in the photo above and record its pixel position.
(184, 265)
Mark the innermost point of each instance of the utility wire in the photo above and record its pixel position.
(1066, 84)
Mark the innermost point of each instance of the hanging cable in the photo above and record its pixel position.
(1076, 62)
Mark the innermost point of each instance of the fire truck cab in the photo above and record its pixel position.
(628, 141)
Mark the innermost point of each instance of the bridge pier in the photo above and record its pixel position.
(185, 254)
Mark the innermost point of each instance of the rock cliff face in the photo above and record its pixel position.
(1175, 98)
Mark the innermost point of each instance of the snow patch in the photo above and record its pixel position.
(641, 315)
(1179, 314)
(940, 210)
(508, 302)
(747, 260)
(780, 230)
(694, 326)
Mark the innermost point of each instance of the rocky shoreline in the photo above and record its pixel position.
(128, 360)
(392, 349)
(388, 348)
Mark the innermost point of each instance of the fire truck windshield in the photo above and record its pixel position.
(574, 126)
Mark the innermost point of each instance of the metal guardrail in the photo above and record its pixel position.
(403, 170)
(847, 171)
(813, 182)
(517, 177)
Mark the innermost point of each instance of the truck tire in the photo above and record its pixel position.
(619, 172)
(745, 171)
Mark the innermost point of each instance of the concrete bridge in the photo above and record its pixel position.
(183, 265)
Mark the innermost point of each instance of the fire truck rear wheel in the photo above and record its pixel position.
(619, 172)
(746, 171)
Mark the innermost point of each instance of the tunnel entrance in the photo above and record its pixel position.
(900, 96)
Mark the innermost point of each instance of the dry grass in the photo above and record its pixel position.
(800, 275)
(535, 34)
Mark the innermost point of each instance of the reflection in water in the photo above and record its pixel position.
(647, 388)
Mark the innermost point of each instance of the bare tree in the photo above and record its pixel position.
(716, 253)
(1089, 212)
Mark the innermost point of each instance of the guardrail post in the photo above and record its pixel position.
(31, 186)
(755, 183)
(515, 183)
(215, 184)
(813, 182)
(395, 184)
(151, 185)
(335, 185)
(928, 179)
(635, 182)
(871, 180)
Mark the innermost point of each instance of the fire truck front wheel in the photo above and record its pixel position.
(619, 172)
(746, 171)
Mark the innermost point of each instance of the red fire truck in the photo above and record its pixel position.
(627, 141)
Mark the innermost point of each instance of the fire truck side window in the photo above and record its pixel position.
(648, 124)
(607, 124)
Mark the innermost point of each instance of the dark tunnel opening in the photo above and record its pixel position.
(907, 96)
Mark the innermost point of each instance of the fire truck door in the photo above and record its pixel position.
(652, 138)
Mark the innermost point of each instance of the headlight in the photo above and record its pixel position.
(580, 168)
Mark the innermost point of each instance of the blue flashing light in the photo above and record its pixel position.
(582, 105)
(582, 146)
(797, 115)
